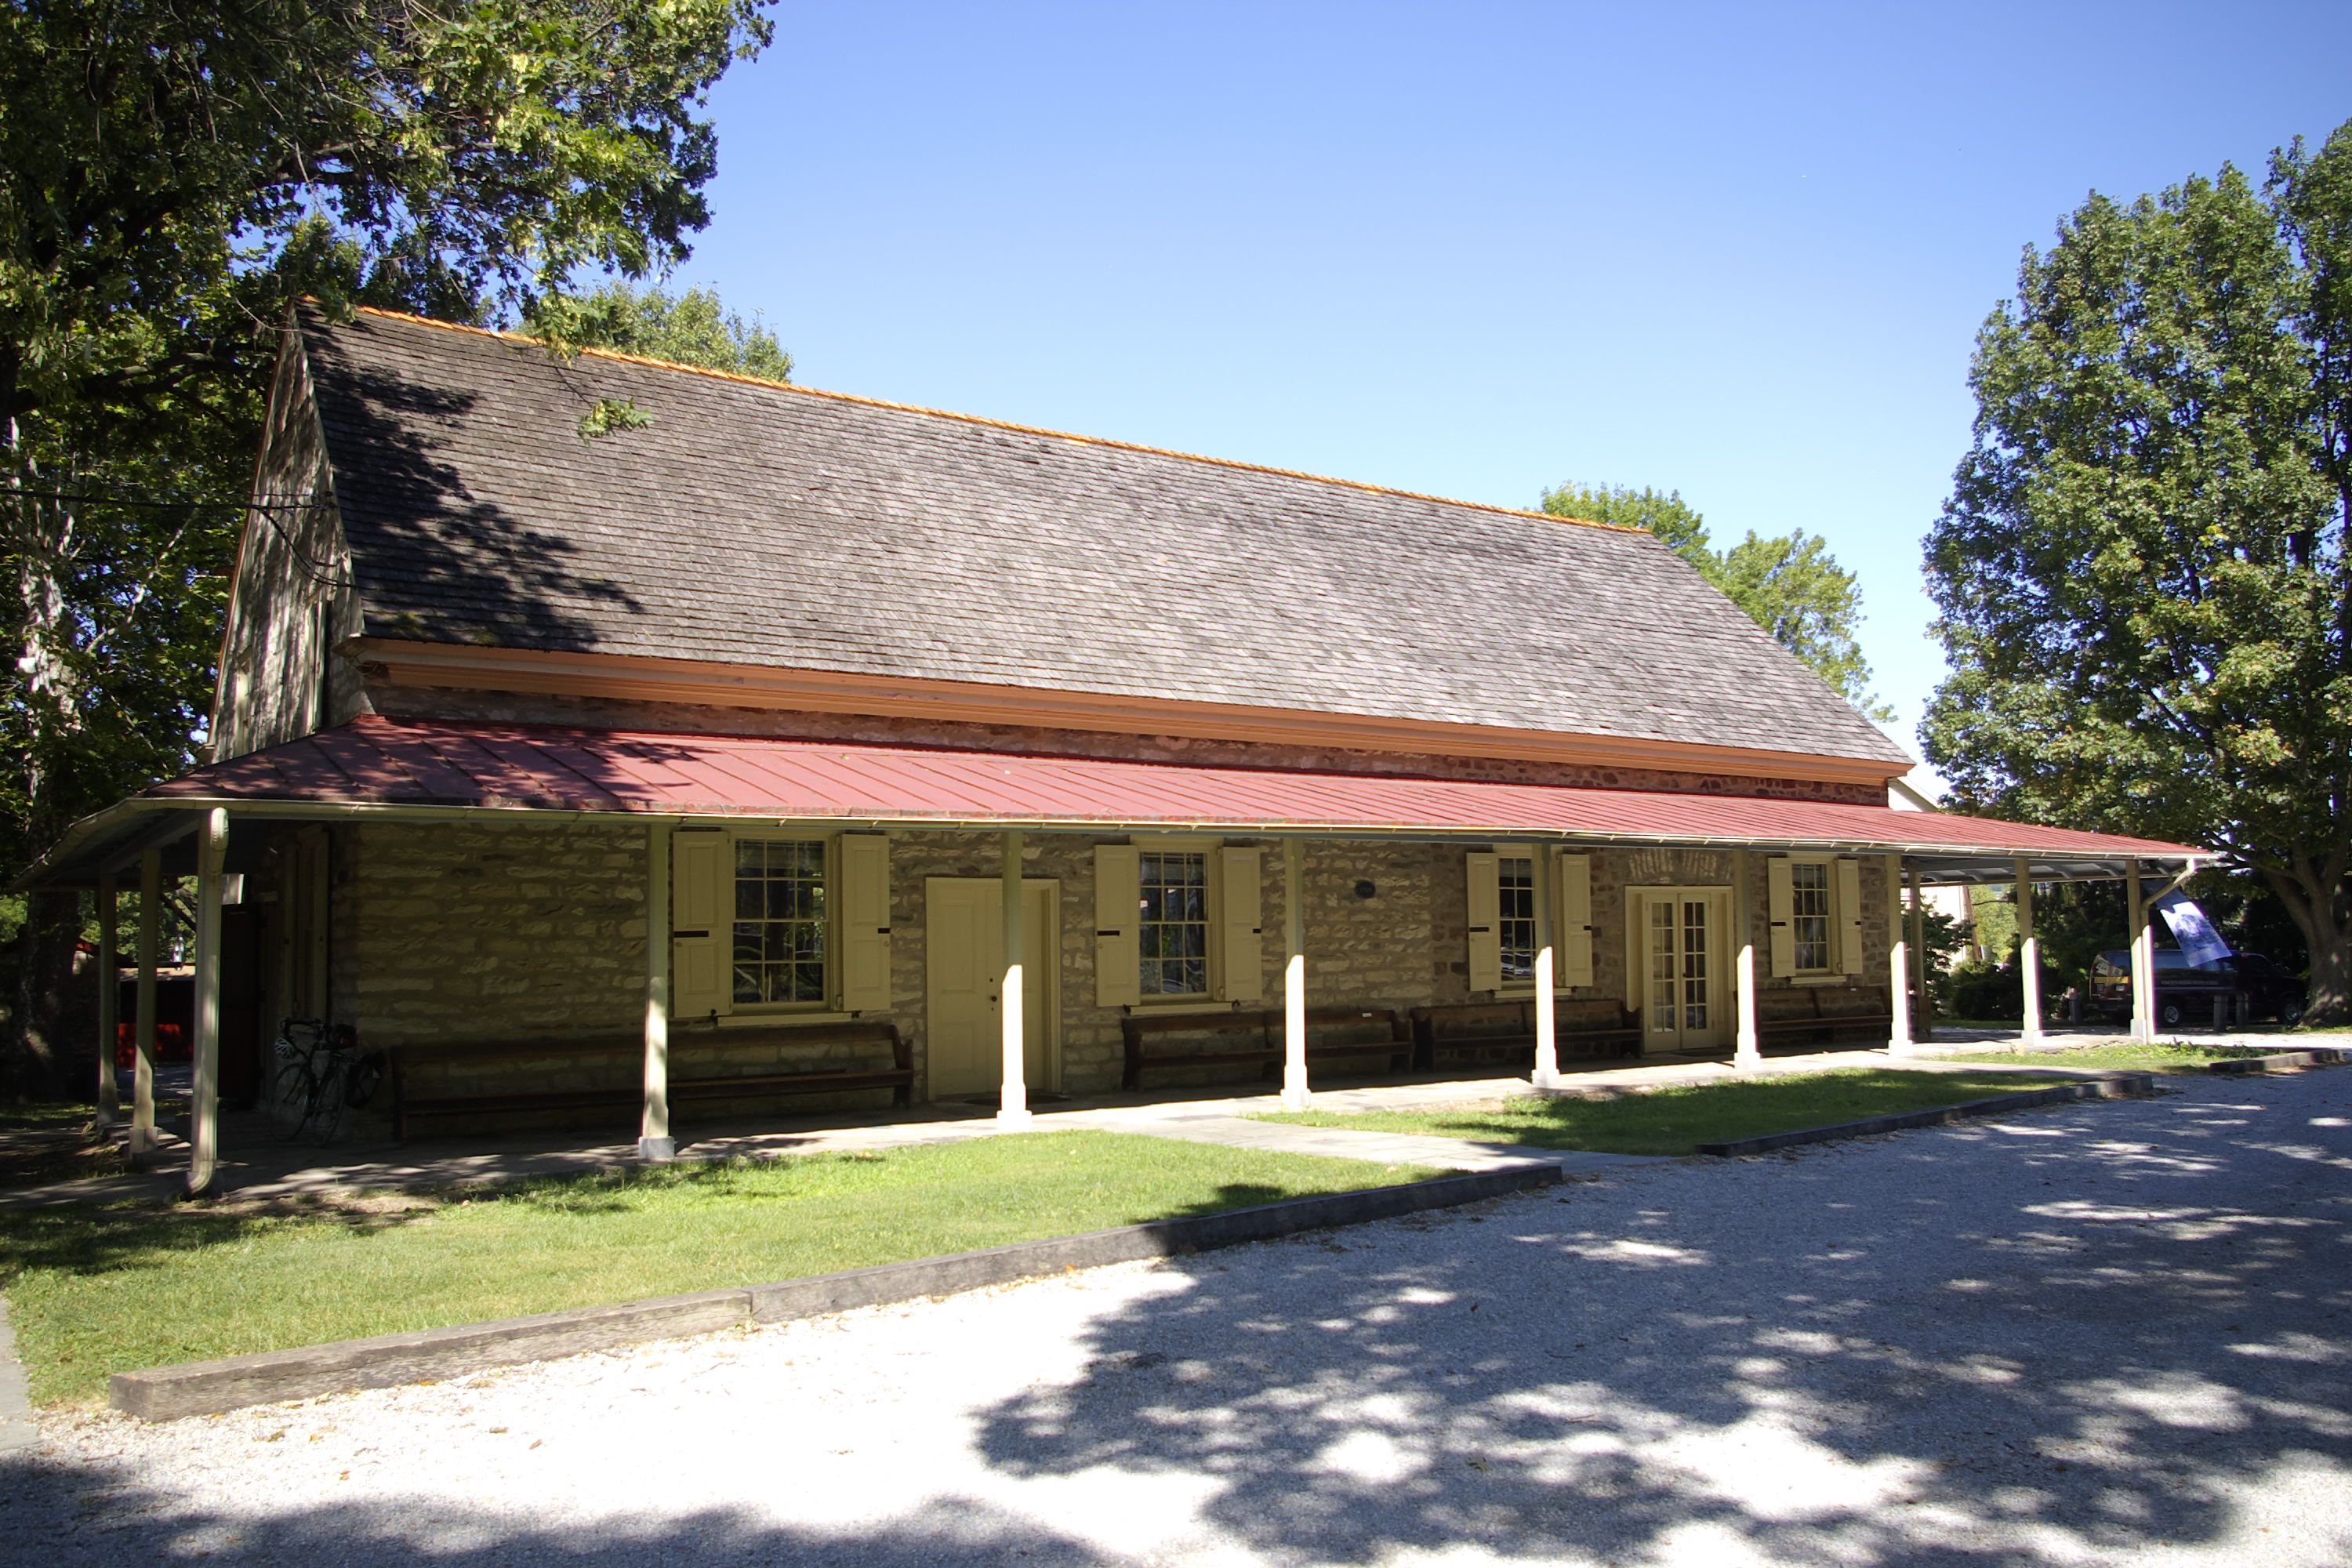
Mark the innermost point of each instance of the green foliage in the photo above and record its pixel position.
(610, 414)
(693, 328)
(2142, 570)
(171, 176)
(1791, 585)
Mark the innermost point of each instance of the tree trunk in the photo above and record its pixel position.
(2312, 897)
(49, 1058)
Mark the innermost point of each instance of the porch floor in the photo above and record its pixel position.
(253, 1166)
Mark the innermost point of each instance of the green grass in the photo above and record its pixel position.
(94, 1292)
(2164, 1055)
(1677, 1121)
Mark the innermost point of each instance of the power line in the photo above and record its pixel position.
(163, 505)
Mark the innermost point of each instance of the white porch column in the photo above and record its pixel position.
(1898, 962)
(204, 1101)
(110, 989)
(1547, 1073)
(142, 1073)
(1747, 1043)
(2143, 960)
(2029, 954)
(1293, 976)
(1012, 1101)
(1927, 1026)
(654, 1140)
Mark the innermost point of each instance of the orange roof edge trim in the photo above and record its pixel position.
(981, 419)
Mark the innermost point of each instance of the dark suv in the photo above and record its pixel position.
(2185, 991)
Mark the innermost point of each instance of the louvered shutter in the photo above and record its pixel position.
(702, 886)
(1572, 919)
(1849, 893)
(864, 923)
(1782, 903)
(1119, 901)
(1485, 922)
(1240, 965)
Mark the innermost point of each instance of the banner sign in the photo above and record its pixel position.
(2199, 942)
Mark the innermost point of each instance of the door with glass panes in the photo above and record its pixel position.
(1679, 939)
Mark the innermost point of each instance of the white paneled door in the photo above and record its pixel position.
(963, 964)
(1685, 999)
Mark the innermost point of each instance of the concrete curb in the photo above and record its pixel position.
(207, 1387)
(2114, 1086)
(16, 1427)
(2274, 1061)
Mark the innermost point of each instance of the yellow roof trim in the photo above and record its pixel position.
(1001, 424)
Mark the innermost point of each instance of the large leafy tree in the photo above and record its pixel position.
(692, 328)
(171, 176)
(2143, 571)
(1790, 583)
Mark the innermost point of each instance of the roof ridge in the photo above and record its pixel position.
(983, 420)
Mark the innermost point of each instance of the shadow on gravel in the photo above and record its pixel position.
(2039, 1340)
(2060, 1359)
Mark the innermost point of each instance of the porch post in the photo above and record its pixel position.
(1546, 1072)
(1748, 1045)
(1293, 976)
(654, 1140)
(204, 1100)
(142, 1074)
(1898, 964)
(2029, 954)
(1012, 1101)
(2143, 961)
(109, 986)
(1926, 1026)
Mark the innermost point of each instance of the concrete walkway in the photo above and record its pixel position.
(256, 1167)
(16, 1427)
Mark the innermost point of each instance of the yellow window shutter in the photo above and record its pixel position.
(1485, 922)
(1782, 902)
(1572, 919)
(702, 886)
(1118, 902)
(1849, 910)
(1241, 966)
(864, 923)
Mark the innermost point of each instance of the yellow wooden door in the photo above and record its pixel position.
(964, 966)
(1683, 990)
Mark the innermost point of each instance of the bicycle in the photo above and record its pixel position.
(321, 1072)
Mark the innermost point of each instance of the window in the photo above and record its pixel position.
(1515, 879)
(1808, 914)
(780, 922)
(1174, 927)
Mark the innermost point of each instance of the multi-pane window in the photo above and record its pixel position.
(1809, 913)
(1516, 882)
(1174, 930)
(779, 921)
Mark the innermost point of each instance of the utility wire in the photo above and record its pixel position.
(310, 568)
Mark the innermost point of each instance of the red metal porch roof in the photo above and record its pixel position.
(382, 762)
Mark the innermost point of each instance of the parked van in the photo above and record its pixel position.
(2185, 991)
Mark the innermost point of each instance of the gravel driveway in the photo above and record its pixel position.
(2101, 1334)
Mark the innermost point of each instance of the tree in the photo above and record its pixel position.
(692, 328)
(1790, 585)
(171, 176)
(2145, 587)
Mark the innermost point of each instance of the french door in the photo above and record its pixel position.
(1680, 964)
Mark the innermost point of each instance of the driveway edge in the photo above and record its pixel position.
(2114, 1086)
(208, 1387)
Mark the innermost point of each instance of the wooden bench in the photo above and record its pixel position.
(1595, 1026)
(1822, 1010)
(1253, 1038)
(622, 1056)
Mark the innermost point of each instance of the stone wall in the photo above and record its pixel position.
(503, 932)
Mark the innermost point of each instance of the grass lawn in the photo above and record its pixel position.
(98, 1291)
(1677, 1121)
(2164, 1056)
(52, 1140)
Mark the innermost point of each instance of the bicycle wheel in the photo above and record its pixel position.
(327, 1100)
(289, 1098)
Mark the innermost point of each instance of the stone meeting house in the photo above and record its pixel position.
(776, 749)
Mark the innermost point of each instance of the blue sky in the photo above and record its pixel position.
(1475, 251)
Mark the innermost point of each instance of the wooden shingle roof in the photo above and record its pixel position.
(757, 524)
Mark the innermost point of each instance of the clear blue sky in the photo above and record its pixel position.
(1739, 251)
